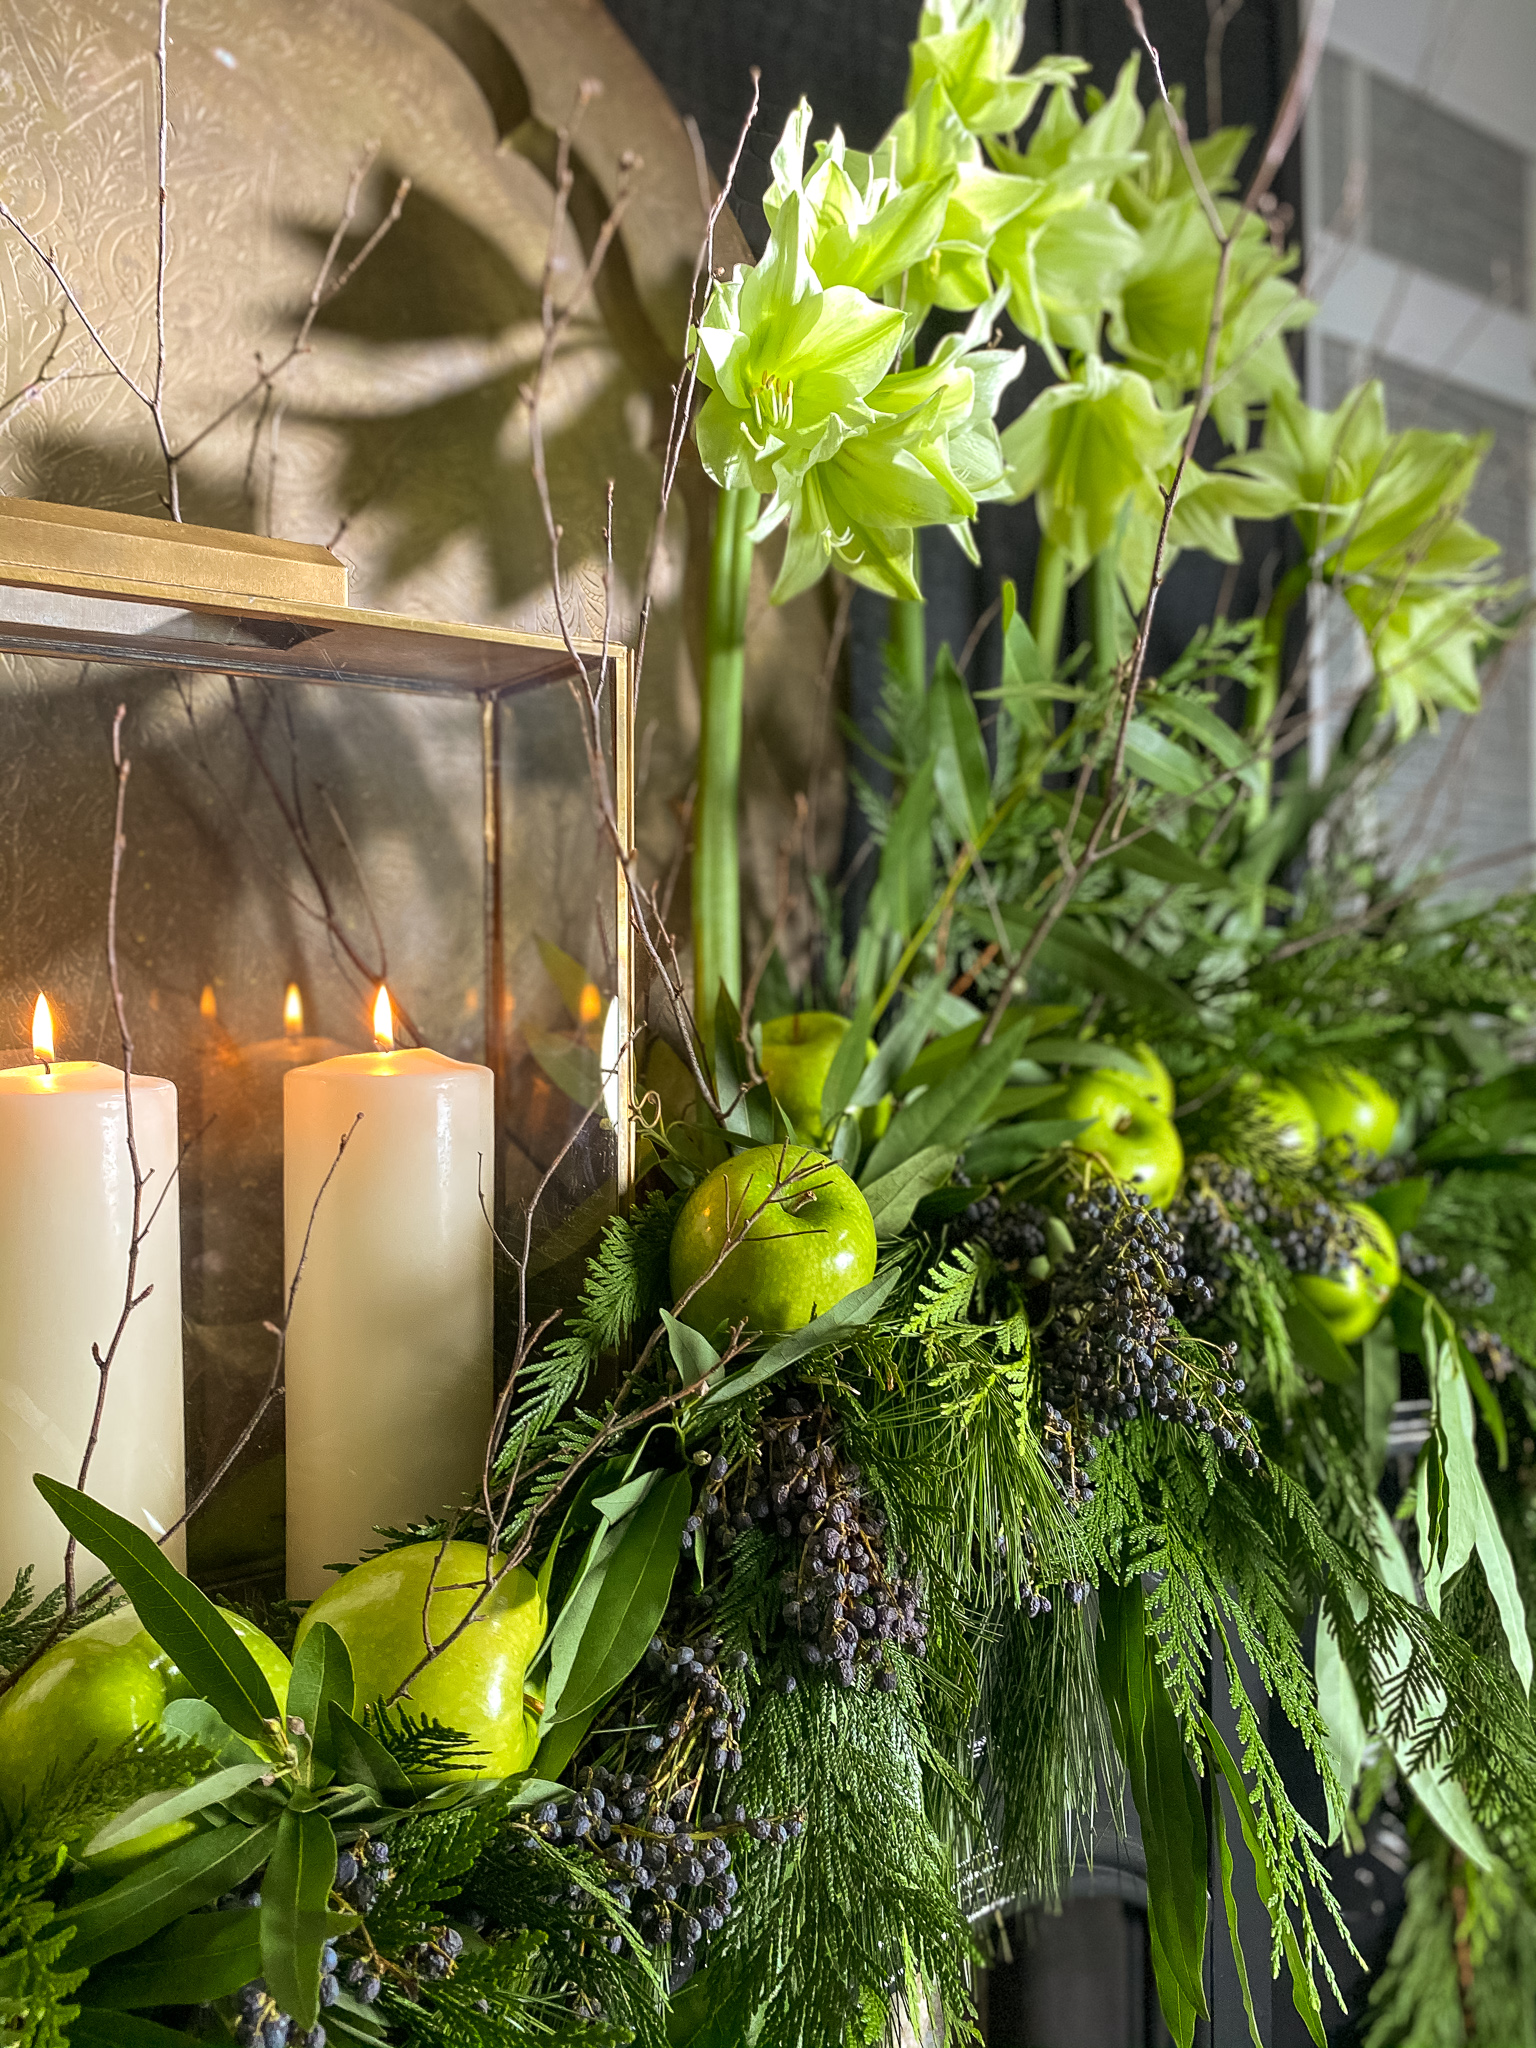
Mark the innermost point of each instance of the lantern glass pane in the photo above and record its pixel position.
(284, 832)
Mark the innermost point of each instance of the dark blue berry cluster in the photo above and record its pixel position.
(262, 2024)
(847, 1595)
(668, 1865)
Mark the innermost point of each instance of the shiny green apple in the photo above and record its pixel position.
(475, 1684)
(796, 1056)
(1350, 1301)
(1355, 1114)
(1137, 1142)
(793, 1255)
(1286, 1111)
(1155, 1084)
(95, 1691)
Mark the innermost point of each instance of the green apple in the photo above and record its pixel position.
(1355, 1114)
(796, 1056)
(476, 1683)
(1157, 1086)
(95, 1691)
(793, 1256)
(1350, 1301)
(1286, 1111)
(1137, 1142)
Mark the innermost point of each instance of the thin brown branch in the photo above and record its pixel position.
(1281, 136)
(133, 1295)
(280, 1330)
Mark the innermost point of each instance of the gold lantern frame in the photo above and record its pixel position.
(78, 584)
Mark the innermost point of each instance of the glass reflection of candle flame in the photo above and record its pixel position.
(208, 1002)
(383, 1021)
(591, 1003)
(42, 1031)
(293, 1012)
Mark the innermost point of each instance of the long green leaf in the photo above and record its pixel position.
(361, 1759)
(322, 1672)
(1162, 761)
(1303, 1990)
(692, 1353)
(961, 773)
(191, 1962)
(953, 1107)
(193, 1720)
(1316, 1347)
(901, 1044)
(294, 1894)
(178, 1880)
(1168, 1804)
(896, 1194)
(1234, 1934)
(631, 1598)
(1079, 955)
(1471, 1522)
(848, 1064)
(98, 2029)
(159, 1809)
(851, 1313)
(182, 1620)
(576, 1612)
(1000, 1152)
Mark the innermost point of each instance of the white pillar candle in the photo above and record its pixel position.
(66, 1221)
(389, 1370)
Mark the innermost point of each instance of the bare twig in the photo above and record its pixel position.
(280, 1330)
(1219, 14)
(133, 1295)
(1281, 136)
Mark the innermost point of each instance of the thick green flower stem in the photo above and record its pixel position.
(1104, 598)
(1263, 698)
(716, 808)
(906, 643)
(1048, 601)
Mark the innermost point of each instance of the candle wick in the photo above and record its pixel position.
(47, 1065)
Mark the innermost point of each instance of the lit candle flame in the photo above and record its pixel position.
(293, 1011)
(42, 1031)
(208, 1002)
(591, 1003)
(383, 1021)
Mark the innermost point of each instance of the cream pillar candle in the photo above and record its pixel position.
(66, 1219)
(389, 1372)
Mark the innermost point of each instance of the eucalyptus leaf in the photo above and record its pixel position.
(94, 2028)
(182, 1620)
(193, 1720)
(322, 1672)
(630, 1597)
(160, 1809)
(693, 1354)
(575, 1615)
(848, 1063)
(962, 775)
(192, 1962)
(896, 1194)
(1007, 1148)
(295, 1893)
(901, 1044)
(951, 1109)
(175, 1881)
(850, 1314)
(1162, 761)
(361, 1759)
(1316, 1347)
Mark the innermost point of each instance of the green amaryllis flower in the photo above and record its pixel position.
(863, 226)
(1209, 504)
(1087, 449)
(931, 459)
(1065, 252)
(1163, 318)
(789, 364)
(968, 47)
(1379, 514)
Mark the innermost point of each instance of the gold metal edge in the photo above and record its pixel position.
(624, 951)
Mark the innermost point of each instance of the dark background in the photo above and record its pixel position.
(1081, 1980)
